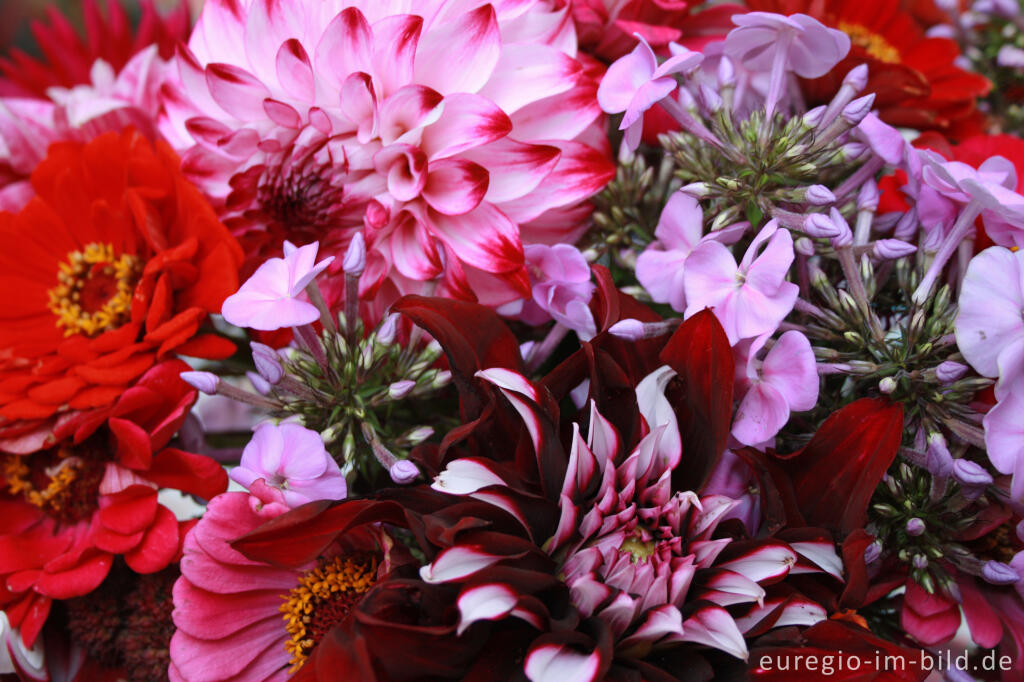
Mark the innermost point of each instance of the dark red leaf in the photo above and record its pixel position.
(836, 473)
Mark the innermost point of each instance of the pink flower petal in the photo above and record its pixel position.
(455, 186)
(472, 41)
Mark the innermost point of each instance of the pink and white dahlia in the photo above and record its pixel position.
(450, 131)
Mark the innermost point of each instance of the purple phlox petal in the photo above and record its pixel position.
(990, 305)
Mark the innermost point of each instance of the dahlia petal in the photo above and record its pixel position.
(405, 168)
(457, 562)
(484, 238)
(346, 47)
(413, 251)
(726, 588)
(528, 73)
(455, 186)
(602, 438)
(282, 114)
(237, 91)
(359, 104)
(472, 40)
(466, 475)
(466, 121)
(394, 56)
(664, 622)
(764, 564)
(822, 554)
(714, 627)
(294, 71)
(484, 602)
(559, 663)
(515, 169)
(410, 108)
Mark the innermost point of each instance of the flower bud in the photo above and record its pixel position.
(857, 77)
(206, 382)
(867, 197)
(938, 459)
(920, 562)
(403, 472)
(355, 256)
(388, 330)
(819, 195)
(950, 370)
(907, 226)
(972, 476)
(998, 573)
(873, 552)
(887, 385)
(418, 435)
(267, 361)
(628, 329)
(261, 385)
(804, 246)
(813, 117)
(710, 99)
(845, 236)
(441, 379)
(726, 72)
(855, 111)
(697, 190)
(819, 226)
(400, 389)
(891, 249)
(915, 527)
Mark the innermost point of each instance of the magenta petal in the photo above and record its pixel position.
(472, 41)
(346, 47)
(467, 121)
(237, 91)
(484, 238)
(528, 73)
(294, 71)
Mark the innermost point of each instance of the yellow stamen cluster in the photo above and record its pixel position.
(56, 493)
(88, 266)
(875, 45)
(341, 578)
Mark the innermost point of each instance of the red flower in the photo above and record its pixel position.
(113, 266)
(66, 511)
(110, 36)
(916, 82)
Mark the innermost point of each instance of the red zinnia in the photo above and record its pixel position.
(915, 78)
(113, 265)
(66, 511)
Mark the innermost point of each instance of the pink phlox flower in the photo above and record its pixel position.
(680, 229)
(990, 323)
(285, 466)
(1004, 438)
(636, 82)
(785, 381)
(884, 140)
(764, 41)
(560, 281)
(751, 298)
(269, 299)
(991, 186)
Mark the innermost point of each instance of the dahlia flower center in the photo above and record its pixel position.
(875, 45)
(94, 290)
(642, 551)
(298, 194)
(322, 599)
(64, 482)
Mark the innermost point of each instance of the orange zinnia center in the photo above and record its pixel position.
(875, 45)
(94, 290)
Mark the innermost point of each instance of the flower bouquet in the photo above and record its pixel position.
(547, 340)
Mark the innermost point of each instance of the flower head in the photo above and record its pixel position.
(287, 465)
(268, 300)
(751, 298)
(113, 265)
(560, 280)
(448, 132)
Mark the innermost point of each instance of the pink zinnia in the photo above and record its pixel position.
(450, 134)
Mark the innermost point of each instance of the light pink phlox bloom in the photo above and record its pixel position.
(808, 48)
(990, 324)
(680, 228)
(269, 299)
(991, 186)
(287, 465)
(636, 82)
(777, 44)
(1004, 438)
(112, 101)
(884, 140)
(785, 381)
(751, 298)
(560, 280)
